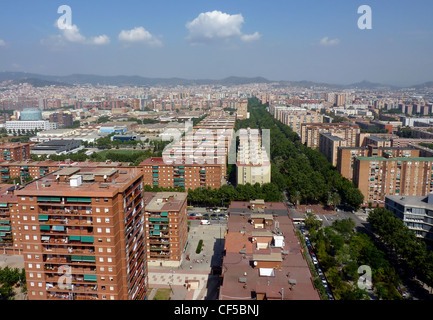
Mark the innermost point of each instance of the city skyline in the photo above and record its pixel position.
(278, 40)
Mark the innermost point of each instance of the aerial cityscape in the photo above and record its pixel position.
(229, 150)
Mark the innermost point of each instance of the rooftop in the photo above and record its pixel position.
(412, 201)
(242, 281)
(164, 201)
(245, 207)
(88, 182)
(395, 159)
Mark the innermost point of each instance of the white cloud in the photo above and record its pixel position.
(251, 37)
(216, 25)
(2, 43)
(100, 40)
(139, 35)
(72, 34)
(329, 42)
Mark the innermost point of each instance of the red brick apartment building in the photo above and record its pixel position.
(188, 176)
(263, 257)
(81, 232)
(347, 155)
(310, 133)
(377, 177)
(7, 201)
(14, 151)
(166, 227)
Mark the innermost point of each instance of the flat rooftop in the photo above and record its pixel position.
(395, 159)
(242, 280)
(244, 207)
(164, 201)
(412, 201)
(102, 182)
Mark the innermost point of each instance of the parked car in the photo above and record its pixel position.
(205, 222)
(325, 284)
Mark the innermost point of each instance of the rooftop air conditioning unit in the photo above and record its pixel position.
(76, 180)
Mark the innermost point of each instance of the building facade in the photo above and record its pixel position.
(166, 227)
(14, 151)
(377, 177)
(83, 236)
(310, 133)
(157, 173)
(253, 164)
(415, 212)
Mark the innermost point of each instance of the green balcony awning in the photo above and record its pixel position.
(74, 238)
(156, 227)
(164, 214)
(87, 200)
(43, 217)
(155, 219)
(45, 228)
(49, 199)
(75, 258)
(5, 228)
(58, 228)
(87, 239)
(156, 233)
(83, 259)
(5, 222)
(90, 277)
(3, 205)
(88, 258)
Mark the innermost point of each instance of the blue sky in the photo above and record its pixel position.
(276, 39)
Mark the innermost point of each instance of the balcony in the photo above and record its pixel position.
(64, 211)
(56, 220)
(73, 269)
(67, 250)
(74, 289)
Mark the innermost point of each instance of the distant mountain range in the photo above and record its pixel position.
(39, 80)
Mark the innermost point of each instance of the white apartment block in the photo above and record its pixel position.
(253, 165)
(29, 125)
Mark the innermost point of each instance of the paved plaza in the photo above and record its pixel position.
(197, 271)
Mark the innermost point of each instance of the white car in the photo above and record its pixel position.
(325, 284)
(205, 222)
